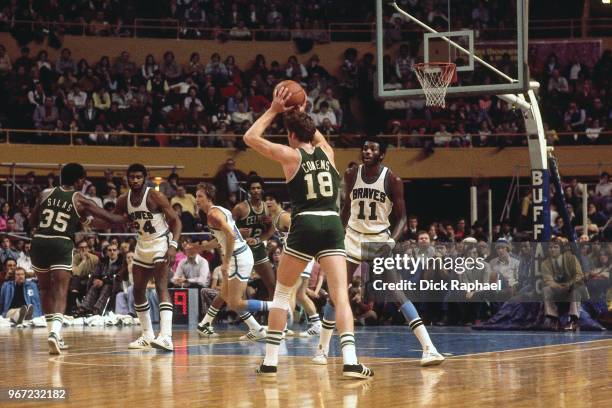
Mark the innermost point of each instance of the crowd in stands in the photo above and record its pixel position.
(212, 97)
(102, 263)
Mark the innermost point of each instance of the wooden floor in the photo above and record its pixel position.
(99, 371)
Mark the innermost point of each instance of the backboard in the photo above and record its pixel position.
(495, 32)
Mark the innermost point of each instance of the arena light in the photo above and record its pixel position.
(605, 1)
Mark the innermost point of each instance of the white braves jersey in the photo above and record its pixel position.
(148, 224)
(239, 243)
(370, 204)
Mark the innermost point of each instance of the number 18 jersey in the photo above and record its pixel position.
(370, 204)
(149, 225)
(314, 186)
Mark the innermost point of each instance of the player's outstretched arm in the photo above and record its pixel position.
(350, 176)
(88, 208)
(160, 201)
(254, 136)
(396, 186)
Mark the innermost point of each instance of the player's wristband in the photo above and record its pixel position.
(174, 244)
(257, 241)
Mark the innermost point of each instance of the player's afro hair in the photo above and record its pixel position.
(137, 167)
(254, 179)
(71, 173)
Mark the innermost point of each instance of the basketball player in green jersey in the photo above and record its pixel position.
(281, 220)
(252, 220)
(58, 215)
(316, 228)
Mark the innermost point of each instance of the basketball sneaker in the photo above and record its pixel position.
(431, 357)
(255, 335)
(266, 371)
(357, 371)
(313, 330)
(54, 344)
(163, 343)
(206, 330)
(62, 345)
(320, 357)
(288, 333)
(141, 343)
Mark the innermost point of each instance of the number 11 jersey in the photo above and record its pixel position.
(149, 225)
(370, 204)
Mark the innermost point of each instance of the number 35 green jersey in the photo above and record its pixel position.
(58, 214)
(314, 186)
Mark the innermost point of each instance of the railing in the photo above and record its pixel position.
(335, 32)
(198, 140)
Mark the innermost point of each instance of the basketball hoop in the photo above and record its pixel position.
(435, 78)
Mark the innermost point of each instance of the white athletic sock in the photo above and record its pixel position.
(327, 330)
(144, 316)
(210, 315)
(273, 339)
(56, 324)
(421, 334)
(347, 344)
(250, 321)
(165, 318)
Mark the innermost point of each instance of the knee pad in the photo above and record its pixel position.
(282, 294)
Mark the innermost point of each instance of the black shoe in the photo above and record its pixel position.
(357, 371)
(572, 325)
(29, 312)
(551, 324)
(22, 314)
(266, 371)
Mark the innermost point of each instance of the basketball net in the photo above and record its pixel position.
(435, 78)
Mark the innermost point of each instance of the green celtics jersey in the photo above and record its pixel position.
(254, 221)
(58, 216)
(314, 187)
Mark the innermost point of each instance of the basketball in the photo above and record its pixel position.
(298, 95)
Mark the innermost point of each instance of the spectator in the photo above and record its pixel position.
(24, 261)
(557, 83)
(442, 137)
(604, 187)
(92, 194)
(78, 97)
(84, 264)
(240, 32)
(148, 69)
(20, 299)
(505, 267)
(5, 215)
(216, 68)
(563, 281)
(325, 113)
(102, 281)
(241, 115)
(598, 279)
(192, 271)
(227, 181)
(65, 64)
(186, 200)
(574, 118)
(5, 62)
(169, 187)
